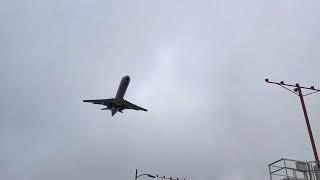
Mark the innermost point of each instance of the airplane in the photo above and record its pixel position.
(117, 104)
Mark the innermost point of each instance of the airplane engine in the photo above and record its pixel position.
(121, 109)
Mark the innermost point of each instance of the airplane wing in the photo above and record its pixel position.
(105, 102)
(129, 105)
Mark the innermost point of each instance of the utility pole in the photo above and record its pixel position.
(297, 90)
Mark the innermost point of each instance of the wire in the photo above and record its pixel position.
(310, 93)
(289, 90)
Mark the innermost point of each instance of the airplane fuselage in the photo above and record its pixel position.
(124, 83)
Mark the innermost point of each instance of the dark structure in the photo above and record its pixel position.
(136, 176)
(152, 176)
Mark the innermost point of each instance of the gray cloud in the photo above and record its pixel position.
(198, 67)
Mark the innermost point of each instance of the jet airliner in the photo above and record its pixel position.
(118, 104)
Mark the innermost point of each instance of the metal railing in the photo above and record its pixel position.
(285, 169)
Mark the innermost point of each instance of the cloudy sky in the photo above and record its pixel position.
(198, 66)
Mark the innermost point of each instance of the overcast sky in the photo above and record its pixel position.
(199, 67)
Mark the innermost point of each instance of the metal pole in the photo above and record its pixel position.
(270, 173)
(308, 123)
(285, 167)
(135, 178)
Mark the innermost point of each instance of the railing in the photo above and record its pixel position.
(285, 169)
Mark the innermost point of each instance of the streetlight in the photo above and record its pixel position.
(149, 175)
